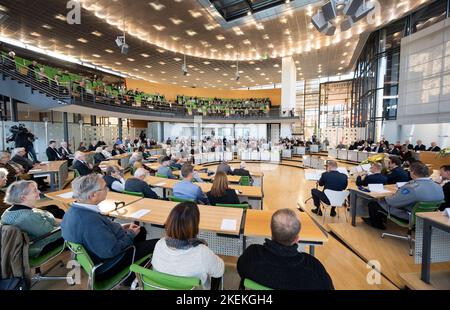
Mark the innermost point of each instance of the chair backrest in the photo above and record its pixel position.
(245, 181)
(425, 206)
(251, 285)
(177, 199)
(153, 280)
(77, 173)
(336, 198)
(82, 256)
(137, 194)
(237, 206)
(162, 176)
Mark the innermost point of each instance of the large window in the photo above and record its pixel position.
(376, 79)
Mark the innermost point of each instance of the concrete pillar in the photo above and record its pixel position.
(288, 85)
(66, 126)
(120, 124)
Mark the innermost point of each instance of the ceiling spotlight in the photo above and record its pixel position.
(329, 30)
(122, 44)
(329, 10)
(358, 9)
(319, 21)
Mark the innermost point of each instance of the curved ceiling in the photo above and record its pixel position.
(161, 32)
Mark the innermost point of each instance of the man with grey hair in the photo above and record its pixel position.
(243, 172)
(278, 264)
(105, 241)
(81, 165)
(138, 184)
(224, 167)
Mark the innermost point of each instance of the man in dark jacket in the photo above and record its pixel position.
(138, 185)
(52, 152)
(332, 180)
(278, 265)
(105, 241)
(397, 173)
(80, 164)
(375, 178)
(445, 174)
(434, 147)
(420, 146)
(243, 172)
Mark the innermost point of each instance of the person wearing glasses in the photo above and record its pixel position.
(3, 181)
(105, 241)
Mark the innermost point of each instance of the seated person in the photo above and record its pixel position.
(180, 253)
(106, 153)
(138, 185)
(3, 181)
(22, 196)
(52, 152)
(19, 156)
(243, 172)
(13, 174)
(114, 179)
(220, 193)
(165, 168)
(420, 146)
(65, 151)
(374, 178)
(186, 189)
(81, 165)
(104, 240)
(434, 147)
(397, 173)
(421, 188)
(176, 163)
(224, 167)
(393, 150)
(98, 156)
(82, 147)
(115, 151)
(445, 175)
(332, 180)
(278, 264)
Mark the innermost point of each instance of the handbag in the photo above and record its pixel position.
(14, 283)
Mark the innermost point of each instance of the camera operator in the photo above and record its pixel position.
(23, 138)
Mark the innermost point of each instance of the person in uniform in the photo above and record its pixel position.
(399, 205)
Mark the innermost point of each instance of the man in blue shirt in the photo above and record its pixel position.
(332, 180)
(165, 169)
(186, 189)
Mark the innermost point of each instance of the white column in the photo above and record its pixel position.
(288, 85)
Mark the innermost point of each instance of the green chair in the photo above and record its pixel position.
(245, 181)
(421, 206)
(151, 280)
(180, 200)
(133, 194)
(161, 176)
(83, 258)
(251, 285)
(237, 206)
(76, 173)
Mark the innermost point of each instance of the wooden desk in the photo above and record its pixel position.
(431, 220)
(156, 166)
(124, 160)
(432, 159)
(105, 206)
(247, 191)
(56, 170)
(257, 224)
(210, 217)
(210, 178)
(355, 192)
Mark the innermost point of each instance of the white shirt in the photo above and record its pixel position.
(199, 262)
(118, 186)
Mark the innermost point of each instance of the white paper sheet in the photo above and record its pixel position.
(139, 214)
(228, 225)
(401, 184)
(160, 184)
(68, 195)
(366, 167)
(377, 188)
(447, 212)
(343, 171)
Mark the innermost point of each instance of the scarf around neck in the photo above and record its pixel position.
(184, 244)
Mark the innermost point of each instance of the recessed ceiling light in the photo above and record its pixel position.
(96, 33)
(176, 21)
(216, 69)
(130, 59)
(145, 55)
(206, 62)
(177, 59)
(220, 37)
(195, 14)
(174, 38)
(162, 63)
(47, 26)
(61, 17)
(109, 51)
(157, 6)
(96, 55)
(118, 63)
(69, 46)
(229, 46)
(191, 33)
(35, 34)
(82, 40)
(148, 66)
(159, 27)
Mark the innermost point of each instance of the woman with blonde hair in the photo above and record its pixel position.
(220, 192)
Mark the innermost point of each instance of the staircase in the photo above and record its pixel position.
(20, 87)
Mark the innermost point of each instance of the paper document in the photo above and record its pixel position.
(160, 184)
(377, 188)
(313, 175)
(401, 184)
(139, 214)
(35, 170)
(447, 212)
(343, 171)
(366, 167)
(68, 195)
(228, 225)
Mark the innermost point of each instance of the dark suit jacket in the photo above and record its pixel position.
(138, 186)
(65, 154)
(420, 148)
(334, 180)
(376, 178)
(98, 158)
(435, 149)
(82, 168)
(395, 151)
(397, 175)
(230, 198)
(242, 173)
(52, 154)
